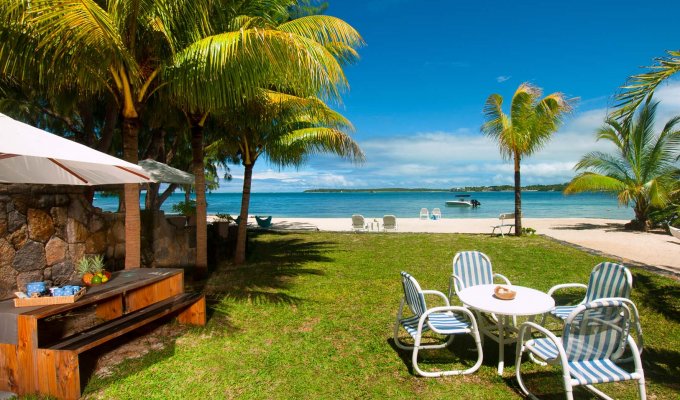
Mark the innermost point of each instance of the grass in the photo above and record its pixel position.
(311, 316)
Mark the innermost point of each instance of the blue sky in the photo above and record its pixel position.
(417, 93)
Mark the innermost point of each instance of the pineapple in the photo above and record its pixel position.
(83, 269)
(92, 270)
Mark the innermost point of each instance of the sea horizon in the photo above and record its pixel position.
(407, 204)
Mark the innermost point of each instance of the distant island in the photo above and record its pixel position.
(502, 188)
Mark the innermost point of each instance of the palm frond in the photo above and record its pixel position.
(643, 85)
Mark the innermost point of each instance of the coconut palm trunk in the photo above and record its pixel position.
(240, 256)
(132, 219)
(518, 197)
(201, 205)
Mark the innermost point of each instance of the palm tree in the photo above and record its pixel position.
(643, 169)
(286, 130)
(531, 123)
(303, 56)
(136, 50)
(643, 86)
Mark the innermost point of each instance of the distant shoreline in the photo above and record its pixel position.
(472, 189)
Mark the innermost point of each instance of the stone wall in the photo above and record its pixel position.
(45, 230)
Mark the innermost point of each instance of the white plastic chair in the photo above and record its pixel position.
(436, 213)
(471, 268)
(447, 320)
(594, 338)
(358, 223)
(424, 214)
(390, 223)
(607, 279)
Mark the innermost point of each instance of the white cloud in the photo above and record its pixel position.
(440, 159)
(502, 78)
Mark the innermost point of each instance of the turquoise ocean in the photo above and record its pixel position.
(405, 204)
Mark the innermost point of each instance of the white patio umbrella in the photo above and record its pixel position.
(31, 155)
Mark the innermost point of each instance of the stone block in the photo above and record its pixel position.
(96, 243)
(19, 237)
(8, 283)
(59, 218)
(97, 223)
(21, 203)
(64, 272)
(40, 226)
(3, 225)
(55, 251)
(76, 251)
(30, 276)
(44, 201)
(6, 254)
(15, 220)
(61, 200)
(77, 211)
(31, 257)
(118, 231)
(119, 251)
(76, 232)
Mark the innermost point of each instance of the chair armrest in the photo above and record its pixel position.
(453, 309)
(507, 281)
(452, 284)
(532, 325)
(566, 285)
(438, 293)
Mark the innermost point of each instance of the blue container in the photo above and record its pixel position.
(35, 287)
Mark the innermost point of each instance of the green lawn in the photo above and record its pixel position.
(311, 316)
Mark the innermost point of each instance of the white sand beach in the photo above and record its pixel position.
(607, 236)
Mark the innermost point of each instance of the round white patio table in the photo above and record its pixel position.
(528, 302)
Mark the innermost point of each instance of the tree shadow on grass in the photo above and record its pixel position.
(461, 354)
(661, 295)
(272, 265)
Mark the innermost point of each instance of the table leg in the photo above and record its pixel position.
(501, 345)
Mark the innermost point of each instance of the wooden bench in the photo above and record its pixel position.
(503, 224)
(37, 361)
(59, 362)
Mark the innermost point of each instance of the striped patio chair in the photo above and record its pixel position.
(608, 279)
(447, 320)
(471, 268)
(595, 336)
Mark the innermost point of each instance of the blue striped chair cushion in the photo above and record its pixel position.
(598, 371)
(543, 347)
(562, 311)
(585, 372)
(473, 268)
(443, 323)
(413, 294)
(608, 280)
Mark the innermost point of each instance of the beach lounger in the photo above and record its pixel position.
(504, 224)
(436, 213)
(264, 222)
(390, 223)
(424, 214)
(358, 223)
(447, 320)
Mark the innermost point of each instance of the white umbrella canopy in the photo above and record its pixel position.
(31, 155)
(160, 172)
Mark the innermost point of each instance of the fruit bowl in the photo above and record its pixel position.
(96, 279)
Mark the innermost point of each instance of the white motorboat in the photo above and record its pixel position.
(458, 203)
(674, 231)
(462, 202)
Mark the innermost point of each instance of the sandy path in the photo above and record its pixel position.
(604, 235)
